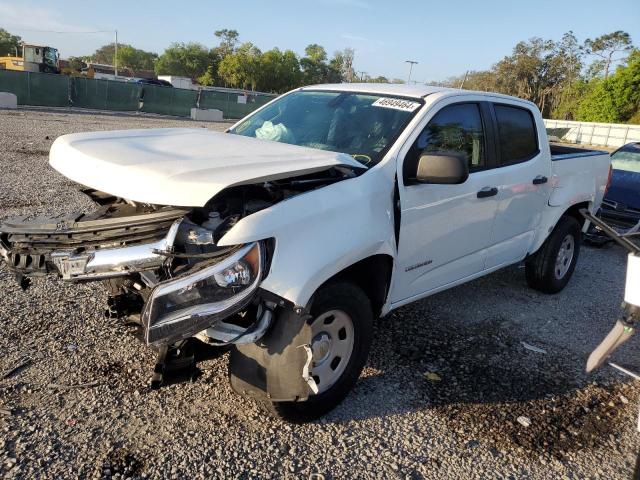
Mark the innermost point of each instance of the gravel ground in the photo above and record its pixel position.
(82, 407)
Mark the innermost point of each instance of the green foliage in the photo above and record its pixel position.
(553, 75)
(242, 68)
(184, 60)
(570, 98)
(228, 41)
(279, 71)
(314, 65)
(135, 59)
(9, 44)
(105, 54)
(605, 47)
(76, 63)
(614, 99)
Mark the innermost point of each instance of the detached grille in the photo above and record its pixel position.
(29, 243)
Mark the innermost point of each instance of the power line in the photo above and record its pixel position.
(55, 31)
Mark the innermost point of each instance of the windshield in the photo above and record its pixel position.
(627, 158)
(361, 125)
(50, 56)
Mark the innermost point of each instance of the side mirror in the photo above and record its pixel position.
(442, 168)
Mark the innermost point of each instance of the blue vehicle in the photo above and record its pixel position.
(621, 205)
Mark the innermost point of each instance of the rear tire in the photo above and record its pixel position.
(550, 268)
(350, 300)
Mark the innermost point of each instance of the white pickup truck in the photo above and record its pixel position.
(287, 235)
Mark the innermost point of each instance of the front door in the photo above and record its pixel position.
(446, 229)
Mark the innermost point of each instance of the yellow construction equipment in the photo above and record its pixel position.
(34, 58)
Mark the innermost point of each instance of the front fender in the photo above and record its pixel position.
(320, 233)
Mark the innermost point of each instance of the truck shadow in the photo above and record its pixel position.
(477, 378)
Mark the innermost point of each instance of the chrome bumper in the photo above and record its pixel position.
(114, 262)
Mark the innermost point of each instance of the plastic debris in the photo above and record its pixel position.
(432, 376)
(524, 421)
(533, 348)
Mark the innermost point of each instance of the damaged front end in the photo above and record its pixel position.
(160, 264)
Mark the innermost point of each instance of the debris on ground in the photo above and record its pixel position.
(533, 348)
(432, 376)
(524, 421)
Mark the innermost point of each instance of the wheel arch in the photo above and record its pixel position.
(574, 211)
(373, 275)
(551, 219)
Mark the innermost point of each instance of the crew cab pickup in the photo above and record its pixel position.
(287, 235)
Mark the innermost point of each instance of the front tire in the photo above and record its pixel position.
(550, 268)
(342, 330)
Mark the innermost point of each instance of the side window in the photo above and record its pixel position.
(517, 134)
(454, 129)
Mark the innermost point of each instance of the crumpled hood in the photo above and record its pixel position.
(180, 166)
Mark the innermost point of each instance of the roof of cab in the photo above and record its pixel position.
(400, 89)
(404, 90)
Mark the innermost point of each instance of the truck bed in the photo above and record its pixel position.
(563, 152)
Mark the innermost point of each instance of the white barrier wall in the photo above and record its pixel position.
(605, 134)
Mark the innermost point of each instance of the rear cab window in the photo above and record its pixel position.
(517, 135)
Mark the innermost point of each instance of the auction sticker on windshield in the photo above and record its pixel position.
(396, 103)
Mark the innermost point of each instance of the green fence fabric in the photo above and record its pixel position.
(36, 88)
(230, 104)
(42, 89)
(212, 100)
(168, 100)
(104, 94)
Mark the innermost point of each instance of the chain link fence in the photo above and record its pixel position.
(48, 90)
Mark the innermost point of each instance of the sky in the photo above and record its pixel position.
(446, 38)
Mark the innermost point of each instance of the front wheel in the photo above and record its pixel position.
(550, 268)
(342, 330)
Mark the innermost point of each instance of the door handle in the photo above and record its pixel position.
(487, 192)
(540, 179)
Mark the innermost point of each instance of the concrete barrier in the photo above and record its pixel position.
(8, 100)
(206, 115)
(592, 133)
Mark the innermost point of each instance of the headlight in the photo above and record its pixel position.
(181, 307)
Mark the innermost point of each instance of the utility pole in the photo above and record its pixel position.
(411, 64)
(464, 80)
(115, 56)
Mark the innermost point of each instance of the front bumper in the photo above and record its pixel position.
(198, 297)
(77, 248)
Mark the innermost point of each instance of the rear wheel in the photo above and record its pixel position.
(342, 329)
(550, 268)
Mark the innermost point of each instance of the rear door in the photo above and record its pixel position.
(523, 177)
(446, 229)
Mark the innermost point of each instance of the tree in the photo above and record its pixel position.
(135, 59)
(614, 99)
(341, 67)
(314, 65)
(105, 54)
(9, 44)
(241, 68)
(606, 47)
(183, 59)
(228, 41)
(279, 71)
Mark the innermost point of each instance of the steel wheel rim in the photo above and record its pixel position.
(332, 338)
(565, 257)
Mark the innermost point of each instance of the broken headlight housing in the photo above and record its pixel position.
(186, 305)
